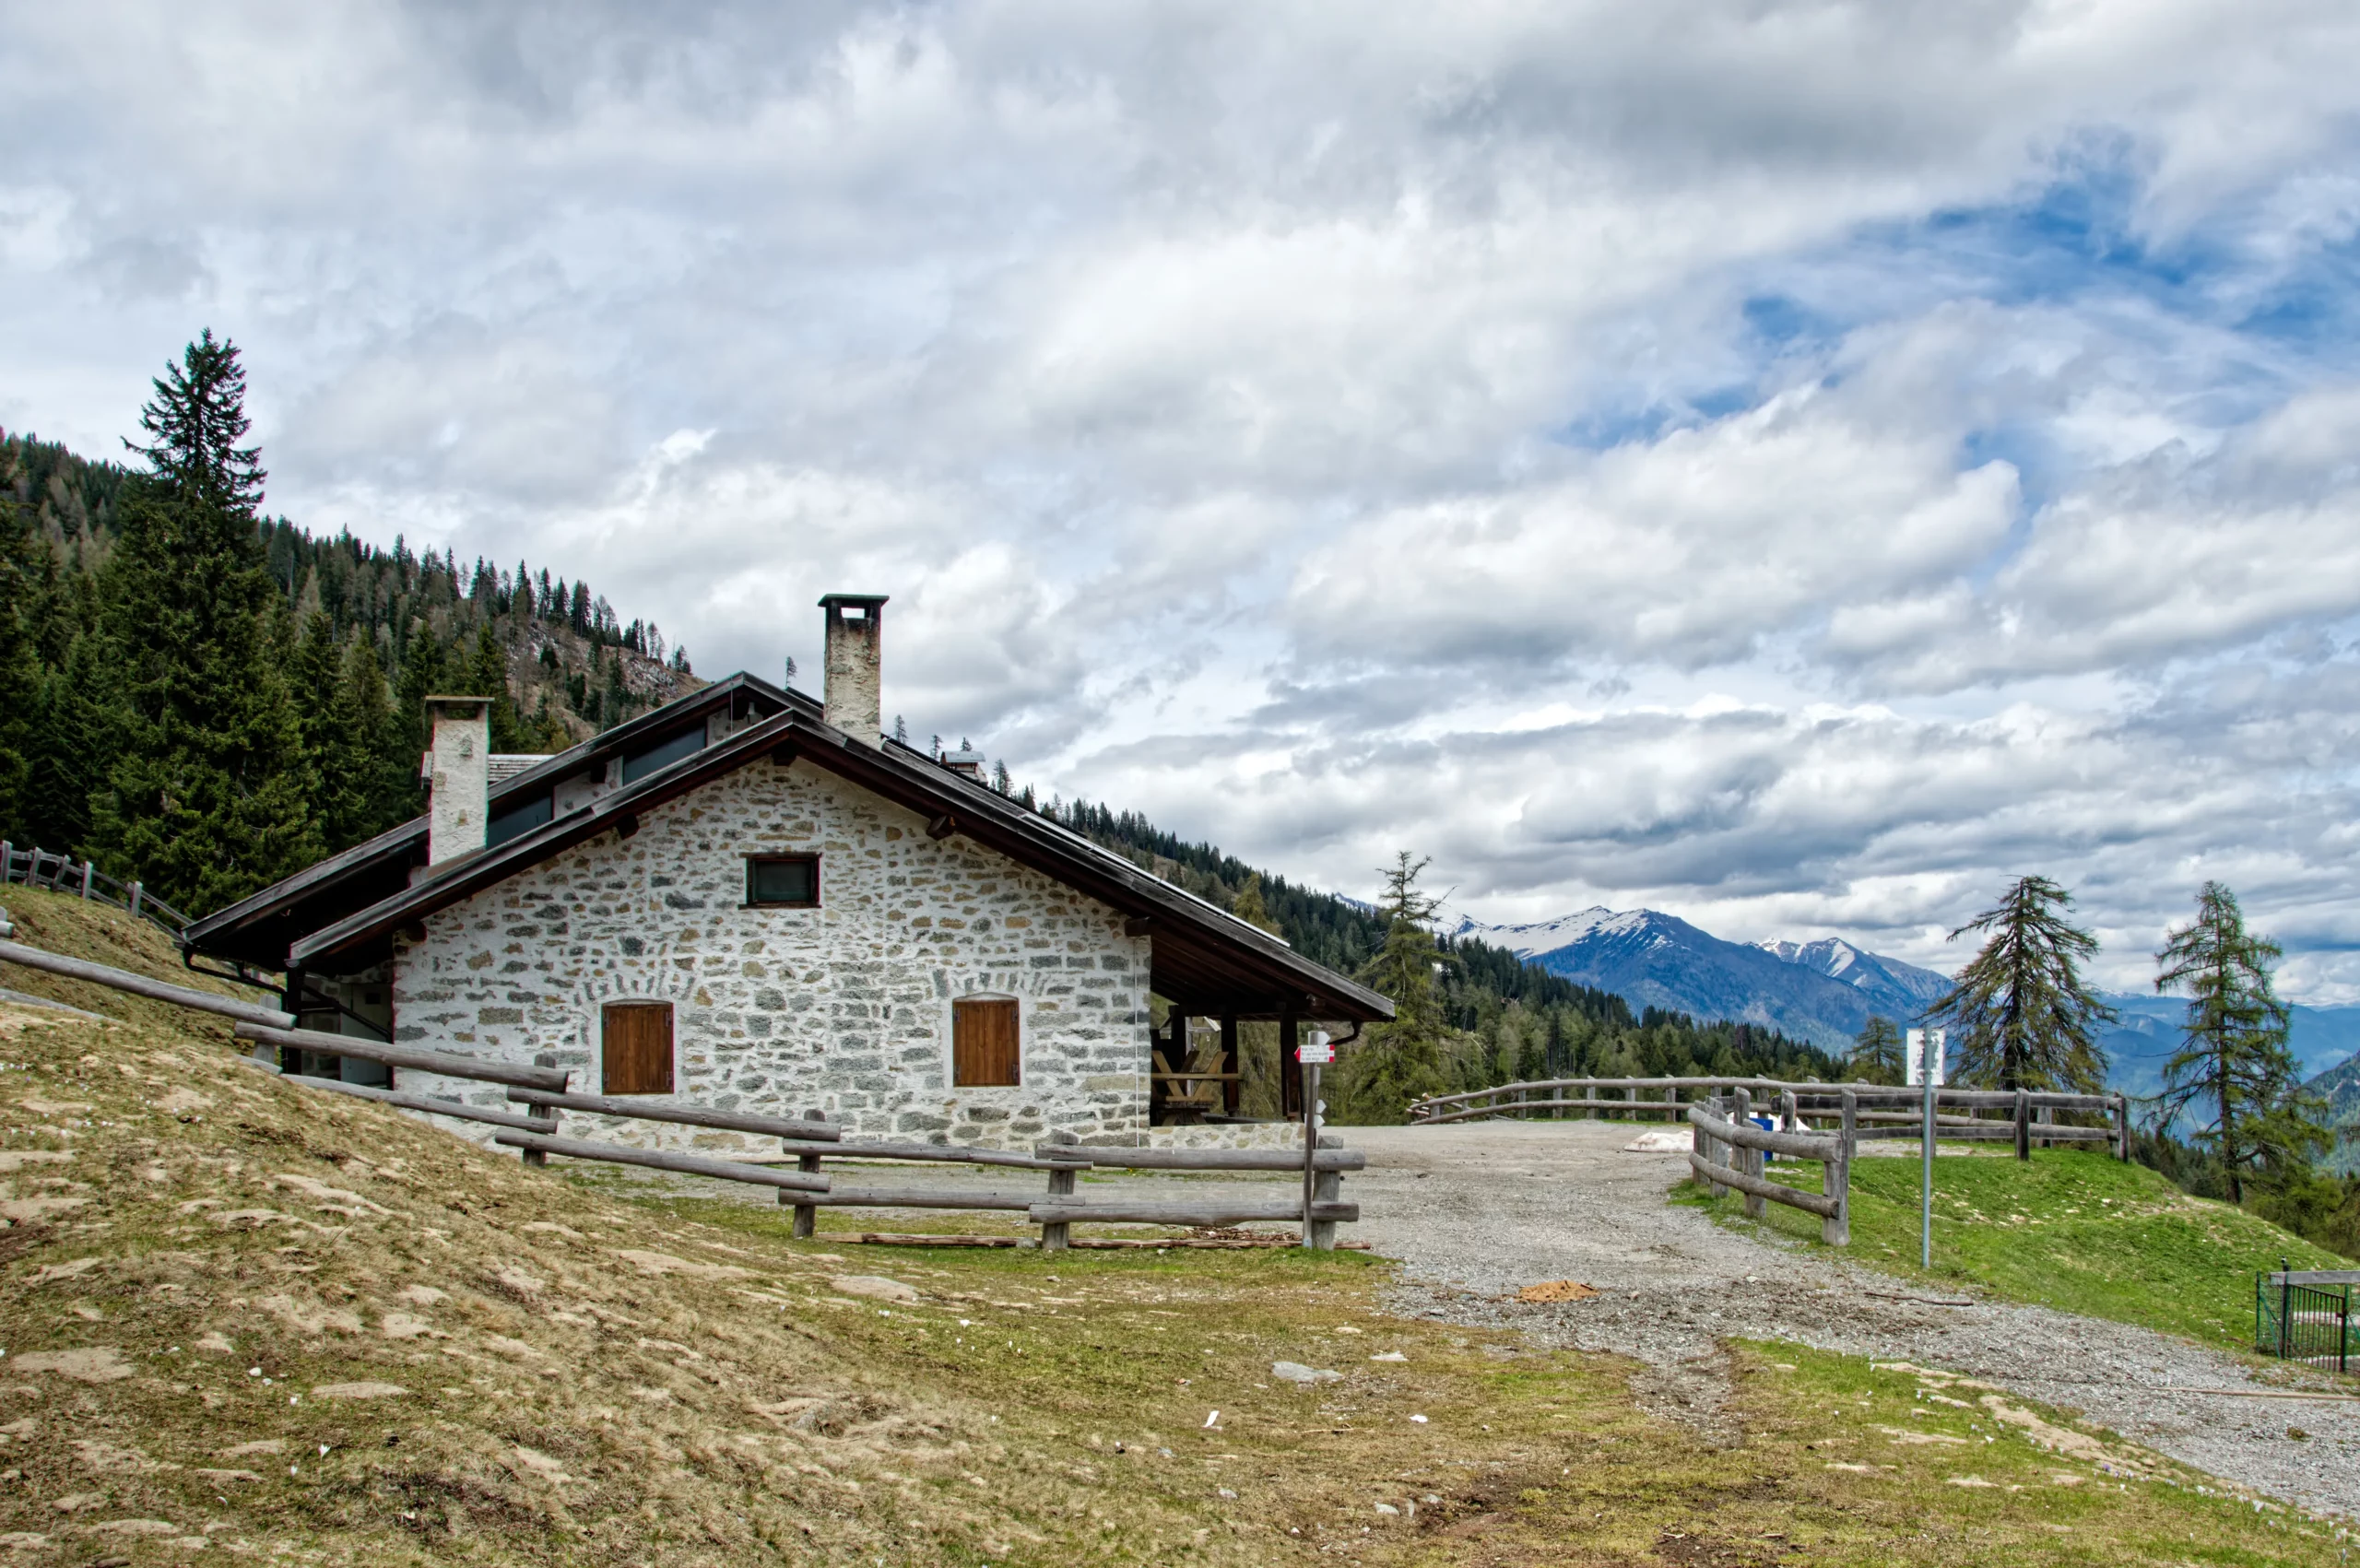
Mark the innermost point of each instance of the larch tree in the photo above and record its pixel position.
(1876, 1053)
(2233, 1052)
(2019, 1013)
(209, 798)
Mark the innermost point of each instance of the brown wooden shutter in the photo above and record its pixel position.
(638, 1048)
(983, 1042)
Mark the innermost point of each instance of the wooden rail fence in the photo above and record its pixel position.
(40, 868)
(1881, 1111)
(1727, 1151)
(542, 1089)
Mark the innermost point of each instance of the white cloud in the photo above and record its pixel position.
(1792, 464)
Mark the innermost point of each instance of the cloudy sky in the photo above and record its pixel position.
(1792, 464)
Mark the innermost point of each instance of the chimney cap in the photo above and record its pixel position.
(853, 601)
(458, 707)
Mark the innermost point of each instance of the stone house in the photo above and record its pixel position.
(750, 900)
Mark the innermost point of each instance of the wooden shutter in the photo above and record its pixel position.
(637, 1056)
(983, 1042)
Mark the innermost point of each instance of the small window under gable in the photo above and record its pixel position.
(663, 755)
(783, 881)
(635, 1053)
(986, 1051)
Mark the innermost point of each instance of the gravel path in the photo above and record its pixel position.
(1476, 1213)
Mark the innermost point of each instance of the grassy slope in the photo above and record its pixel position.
(591, 1378)
(2072, 1229)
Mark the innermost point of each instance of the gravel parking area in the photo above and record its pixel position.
(1477, 1212)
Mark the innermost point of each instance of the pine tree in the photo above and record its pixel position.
(2019, 1013)
(70, 748)
(1876, 1053)
(210, 798)
(1250, 908)
(1402, 1060)
(2233, 1051)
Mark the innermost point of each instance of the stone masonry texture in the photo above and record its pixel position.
(845, 1009)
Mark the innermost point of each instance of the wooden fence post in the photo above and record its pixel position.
(1835, 1229)
(85, 879)
(2122, 1126)
(806, 1216)
(1328, 1187)
(1851, 1103)
(1055, 1234)
(547, 1114)
(1724, 1108)
(1748, 1160)
(2023, 1125)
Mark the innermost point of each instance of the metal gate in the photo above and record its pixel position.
(2305, 1315)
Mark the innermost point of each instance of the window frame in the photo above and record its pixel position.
(811, 860)
(1016, 1015)
(671, 1039)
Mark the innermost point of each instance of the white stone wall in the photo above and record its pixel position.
(845, 1007)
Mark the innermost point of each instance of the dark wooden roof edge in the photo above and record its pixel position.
(394, 842)
(912, 778)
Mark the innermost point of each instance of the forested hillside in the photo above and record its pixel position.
(208, 698)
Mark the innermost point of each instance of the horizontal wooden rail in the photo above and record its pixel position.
(919, 1198)
(684, 1116)
(1820, 1204)
(1117, 1158)
(141, 986)
(1948, 1131)
(516, 1073)
(928, 1153)
(1745, 1134)
(1503, 1097)
(409, 1102)
(663, 1160)
(1203, 1212)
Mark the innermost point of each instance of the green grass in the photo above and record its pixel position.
(2070, 1230)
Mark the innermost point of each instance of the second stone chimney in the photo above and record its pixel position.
(854, 694)
(459, 766)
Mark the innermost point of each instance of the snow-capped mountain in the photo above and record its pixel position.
(1821, 992)
(1900, 991)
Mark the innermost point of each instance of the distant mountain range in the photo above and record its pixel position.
(1823, 991)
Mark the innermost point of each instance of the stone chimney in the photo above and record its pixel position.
(855, 697)
(459, 768)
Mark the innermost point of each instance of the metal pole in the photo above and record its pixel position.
(1310, 1141)
(1927, 1060)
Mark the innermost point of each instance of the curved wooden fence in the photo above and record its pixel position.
(59, 873)
(1883, 1111)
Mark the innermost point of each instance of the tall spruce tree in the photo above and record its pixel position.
(2232, 1049)
(2022, 1017)
(1402, 1060)
(210, 797)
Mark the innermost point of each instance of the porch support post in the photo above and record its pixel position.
(1231, 1064)
(1290, 1081)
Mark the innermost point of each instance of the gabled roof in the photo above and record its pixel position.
(341, 912)
(259, 928)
